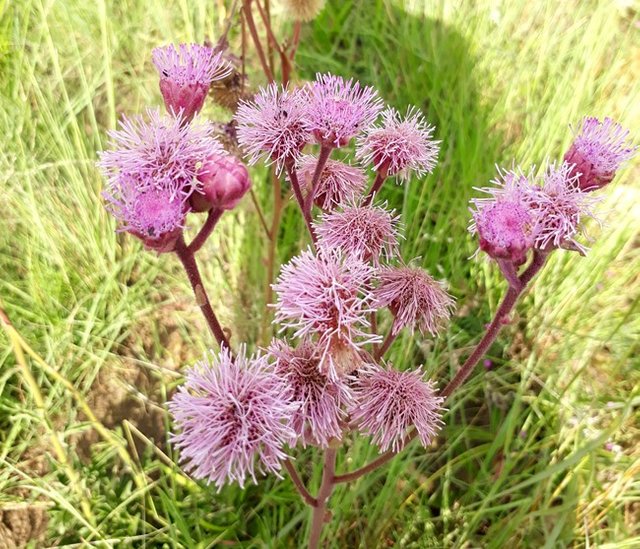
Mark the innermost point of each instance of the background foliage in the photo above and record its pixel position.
(541, 451)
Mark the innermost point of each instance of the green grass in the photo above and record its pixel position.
(522, 460)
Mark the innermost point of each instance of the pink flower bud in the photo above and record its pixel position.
(598, 150)
(185, 98)
(224, 180)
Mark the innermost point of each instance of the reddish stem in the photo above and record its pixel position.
(381, 175)
(325, 153)
(319, 515)
(205, 231)
(297, 481)
(388, 341)
(256, 40)
(297, 191)
(202, 299)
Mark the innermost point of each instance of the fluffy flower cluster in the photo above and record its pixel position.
(322, 400)
(328, 295)
(232, 416)
(369, 232)
(546, 212)
(339, 182)
(400, 146)
(158, 168)
(152, 169)
(414, 298)
(390, 402)
(525, 213)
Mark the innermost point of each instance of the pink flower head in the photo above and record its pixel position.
(160, 152)
(232, 415)
(598, 151)
(560, 206)
(389, 402)
(400, 145)
(225, 180)
(339, 109)
(505, 223)
(366, 231)
(272, 126)
(321, 399)
(328, 296)
(186, 73)
(415, 299)
(338, 182)
(155, 215)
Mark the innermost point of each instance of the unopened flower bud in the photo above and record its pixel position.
(186, 73)
(597, 152)
(225, 180)
(506, 230)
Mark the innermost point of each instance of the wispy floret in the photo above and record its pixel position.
(321, 399)
(186, 73)
(155, 215)
(369, 232)
(338, 182)
(339, 109)
(328, 297)
(232, 417)
(302, 10)
(505, 223)
(389, 403)
(415, 299)
(561, 207)
(158, 152)
(272, 126)
(401, 146)
(598, 151)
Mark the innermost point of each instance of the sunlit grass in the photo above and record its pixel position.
(541, 451)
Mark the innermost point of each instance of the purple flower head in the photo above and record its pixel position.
(400, 145)
(504, 222)
(155, 215)
(272, 126)
(389, 402)
(338, 182)
(158, 152)
(415, 299)
(232, 415)
(366, 231)
(186, 73)
(560, 206)
(322, 400)
(598, 151)
(225, 180)
(339, 109)
(328, 296)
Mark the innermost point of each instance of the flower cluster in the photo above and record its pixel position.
(159, 168)
(325, 376)
(232, 415)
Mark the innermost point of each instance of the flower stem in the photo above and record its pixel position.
(202, 299)
(509, 301)
(271, 256)
(319, 514)
(381, 175)
(388, 341)
(256, 39)
(205, 231)
(297, 481)
(325, 153)
(297, 191)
